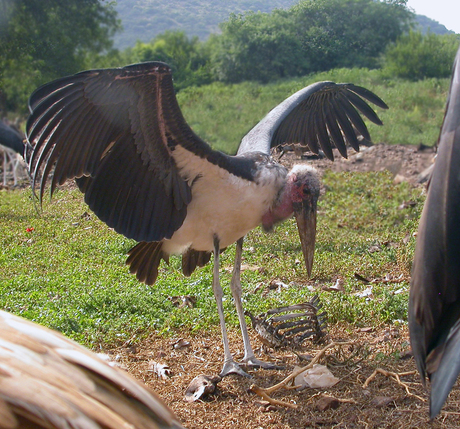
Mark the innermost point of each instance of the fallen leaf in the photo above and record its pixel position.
(361, 278)
(381, 401)
(327, 403)
(180, 343)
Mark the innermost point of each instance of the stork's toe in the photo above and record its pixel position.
(253, 362)
(231, 367)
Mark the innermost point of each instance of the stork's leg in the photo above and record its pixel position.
(230, 366)
(235, 285)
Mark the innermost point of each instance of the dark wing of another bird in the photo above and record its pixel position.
(115, 130)
(49, 381)
(434, 304)
(10, 138)
(321, 116)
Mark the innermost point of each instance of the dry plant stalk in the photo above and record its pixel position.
(396, 376)
(265, 392)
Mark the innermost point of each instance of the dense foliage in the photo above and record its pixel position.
(416, 56)
(311, 36)
(41, 40)
(187, 57)
(145, 19)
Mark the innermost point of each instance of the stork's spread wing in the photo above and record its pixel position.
(116, 130)
(322, 115)
(47, 380)
(434, 305)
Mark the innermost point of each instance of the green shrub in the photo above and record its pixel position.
(416, 56)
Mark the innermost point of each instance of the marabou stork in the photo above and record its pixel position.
(144, 172)
(11, 138)
(434, 303)
(12, 144)
(48, 381)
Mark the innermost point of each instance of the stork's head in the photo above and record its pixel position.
(304, 188)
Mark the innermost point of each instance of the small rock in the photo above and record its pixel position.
(327, 403)
(381, 401)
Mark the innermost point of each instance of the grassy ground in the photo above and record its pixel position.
(61, 267)
(222, 114)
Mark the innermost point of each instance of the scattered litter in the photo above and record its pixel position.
(180, 343)
(278, 285)
(181, 301)
(407, 204)
(366, 293)
(375, 248)
(336, 287)
(201, 386)
(161, 369)
(317, 377)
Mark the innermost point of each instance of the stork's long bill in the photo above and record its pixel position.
(305, 215)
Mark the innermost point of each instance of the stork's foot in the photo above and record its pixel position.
(231, 367)
(253, 362)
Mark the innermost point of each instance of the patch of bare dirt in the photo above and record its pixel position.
(405, 162)
(384, 403)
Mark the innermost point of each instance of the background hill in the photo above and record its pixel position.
(144, 19)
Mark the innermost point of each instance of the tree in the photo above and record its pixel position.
(416, 56)
(314, 35)
(188, 58)
(41, 40)
(348, 33)
(257, 46)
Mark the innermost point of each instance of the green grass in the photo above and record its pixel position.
(223, 114)
(69, 272)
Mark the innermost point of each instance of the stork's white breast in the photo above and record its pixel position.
(222, 204)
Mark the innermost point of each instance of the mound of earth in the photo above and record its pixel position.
(405, 162)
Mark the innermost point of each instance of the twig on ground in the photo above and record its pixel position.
(396, 376)
(265, 392)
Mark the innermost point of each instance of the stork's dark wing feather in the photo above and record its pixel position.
(434, 304)
(322, 115)
(10, 138)
(116, 131)
(49, 381)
